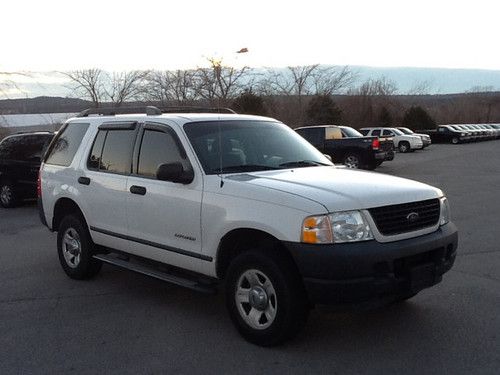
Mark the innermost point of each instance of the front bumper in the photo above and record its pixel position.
(369, 271)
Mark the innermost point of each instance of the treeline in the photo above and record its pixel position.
(302, 95)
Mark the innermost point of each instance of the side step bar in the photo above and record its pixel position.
(151, 271)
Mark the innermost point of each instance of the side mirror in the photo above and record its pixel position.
(174, 172)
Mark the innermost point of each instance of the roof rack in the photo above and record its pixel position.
(151, 110)
(110, 111)
(190, 109)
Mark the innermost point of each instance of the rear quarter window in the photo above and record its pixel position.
(63, 149)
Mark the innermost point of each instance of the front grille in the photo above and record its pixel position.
(406, 217)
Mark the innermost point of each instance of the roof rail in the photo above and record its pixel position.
(191, 109)
(112, 111)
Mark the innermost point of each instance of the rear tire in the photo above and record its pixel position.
(76, 248)
(454, 140)
(9, 196)
(352, 160)
(265, 297)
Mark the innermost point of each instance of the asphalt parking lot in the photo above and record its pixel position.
(121, 322)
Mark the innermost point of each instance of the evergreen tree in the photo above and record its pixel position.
(417, 118)
(249, 103)
(323, 111)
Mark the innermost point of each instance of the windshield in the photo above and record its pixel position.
(405, 130)
(398, 132)
(248, 146)
(350, 132)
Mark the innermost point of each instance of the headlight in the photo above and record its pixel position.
(338, 227)
(445, 212)
(350, 226)
(462, 134)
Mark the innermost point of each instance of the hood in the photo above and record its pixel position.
(340, 189)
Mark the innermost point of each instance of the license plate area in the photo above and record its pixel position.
(422, 276)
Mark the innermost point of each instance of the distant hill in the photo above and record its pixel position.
(42, 104)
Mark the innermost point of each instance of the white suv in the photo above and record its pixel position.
(201, 199)
(403, 142)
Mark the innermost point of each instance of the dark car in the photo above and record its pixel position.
(346, 145)
(20, 157)
(446, 134)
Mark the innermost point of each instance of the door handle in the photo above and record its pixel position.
(140, 190)
(84, 180)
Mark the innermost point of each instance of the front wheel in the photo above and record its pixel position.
(8, 194)
(265, 298)
(404, 147)
(75, 249)
(454, 140)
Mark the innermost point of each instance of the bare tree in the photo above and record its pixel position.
(329, 80)
(171, 86)
(124, 86)
(220, 82)
(88, 83)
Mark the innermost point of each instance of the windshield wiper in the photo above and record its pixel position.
(301, 163)
(243, 168)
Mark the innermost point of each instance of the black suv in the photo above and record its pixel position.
(20, 157)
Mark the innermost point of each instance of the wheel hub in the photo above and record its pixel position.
(258, 298)
(5, 194)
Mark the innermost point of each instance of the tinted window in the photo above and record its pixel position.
(364, 131)
(25, 148)
(386, 132)
(158, 148)
(376, 132)
(66, 144)
(313, 135)
(117, 151)
(94, 161)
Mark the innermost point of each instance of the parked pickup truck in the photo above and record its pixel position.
(446, 134)
(346, 145)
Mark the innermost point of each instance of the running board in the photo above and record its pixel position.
(148, 270)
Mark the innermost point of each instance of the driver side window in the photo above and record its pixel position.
(157, 148)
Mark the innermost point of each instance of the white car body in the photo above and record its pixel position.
(317, 228)
(414, 141)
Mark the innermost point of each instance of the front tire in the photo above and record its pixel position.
(9, 196)
(265, 297)
(75, 249)
(404, 147)
(454, 140)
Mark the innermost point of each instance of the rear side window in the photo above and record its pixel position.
(158, 148)
(24, 148)
(313, 135)
(333, 133)
(64, 148)
(376, 132)
(112, 151)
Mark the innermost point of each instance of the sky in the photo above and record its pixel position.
(53, 35)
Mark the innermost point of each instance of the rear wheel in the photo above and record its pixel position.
(454, 140)
(8, 194)
(352, 160)
(265, 298)
(75, 249)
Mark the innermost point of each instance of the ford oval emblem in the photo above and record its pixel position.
(412, 217)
